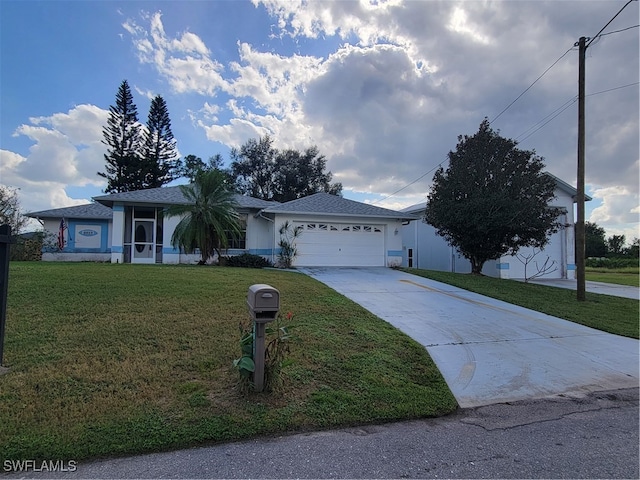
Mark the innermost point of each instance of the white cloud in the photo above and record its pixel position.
(619, 206)
(184, 61)
(66, 150)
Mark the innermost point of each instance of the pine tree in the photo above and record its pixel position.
(161, 161)
(122, 136)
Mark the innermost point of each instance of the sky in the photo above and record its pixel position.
(382, 88)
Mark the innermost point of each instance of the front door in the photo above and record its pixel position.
(143, 242)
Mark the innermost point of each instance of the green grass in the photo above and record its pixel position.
(623, 276)
(604, 312)
(108, 360)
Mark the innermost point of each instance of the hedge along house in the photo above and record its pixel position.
(335, 231)
(422, 248)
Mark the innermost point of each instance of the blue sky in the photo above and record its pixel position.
(383, 89)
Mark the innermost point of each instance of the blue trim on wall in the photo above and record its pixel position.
(394, 253)
(502, 266)
(70, 247)
(571, 266)
(118, 208)
(170, 251)
(261, 251)
(117, 249)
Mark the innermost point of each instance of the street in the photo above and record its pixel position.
(592, 436)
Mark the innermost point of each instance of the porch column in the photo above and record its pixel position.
(117, 237)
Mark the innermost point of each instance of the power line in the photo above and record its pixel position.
(561, 109)
(609, 22)
(409, 184)
(612, 89)
(535, 81)
(599, 34)
(540, 124)
(618, 31)
(553, 115)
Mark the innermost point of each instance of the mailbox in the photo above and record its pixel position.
(263, 302)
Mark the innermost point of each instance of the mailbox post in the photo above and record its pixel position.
(264, 304)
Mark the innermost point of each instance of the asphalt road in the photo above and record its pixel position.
(594, 436)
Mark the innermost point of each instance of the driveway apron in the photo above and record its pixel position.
(490, 351)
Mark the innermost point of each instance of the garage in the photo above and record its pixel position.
(340, 244)
(337, 232)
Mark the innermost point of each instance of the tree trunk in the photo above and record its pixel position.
(476, 266)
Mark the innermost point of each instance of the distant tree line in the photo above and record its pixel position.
(615, 246)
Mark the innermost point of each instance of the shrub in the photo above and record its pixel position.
(245, 260)
(611, 262)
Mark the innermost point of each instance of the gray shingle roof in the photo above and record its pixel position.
(327, 204)
(170, 196)
(89, 210)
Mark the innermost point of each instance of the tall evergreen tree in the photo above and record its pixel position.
(122, 137)
(161, 161)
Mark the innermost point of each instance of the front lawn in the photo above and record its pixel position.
(121, 359)
(604, 312)
(627, 276)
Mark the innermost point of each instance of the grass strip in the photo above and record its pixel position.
(603, 312)
(108, 360)
(628, 276)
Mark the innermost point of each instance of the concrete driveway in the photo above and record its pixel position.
(487, 350)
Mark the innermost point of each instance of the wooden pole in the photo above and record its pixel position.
(580, 234)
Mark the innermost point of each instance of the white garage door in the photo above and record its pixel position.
(340, 245)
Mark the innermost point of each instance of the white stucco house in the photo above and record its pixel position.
(130, 227)
(422, 248)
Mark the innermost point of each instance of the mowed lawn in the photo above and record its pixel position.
(120, 359)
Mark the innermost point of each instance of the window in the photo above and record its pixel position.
(240, 241)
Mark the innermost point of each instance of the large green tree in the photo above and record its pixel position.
(594, 241)
(159, 154)
(260, 170)
(492, 199)
(298, 174)
(253, 167)
(208, 216)
(193, 165)
(123, 169)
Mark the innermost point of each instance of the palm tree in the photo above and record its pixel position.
(207, 218)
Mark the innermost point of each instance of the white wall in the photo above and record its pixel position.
(432, 252)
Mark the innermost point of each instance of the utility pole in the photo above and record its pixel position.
(580, 236)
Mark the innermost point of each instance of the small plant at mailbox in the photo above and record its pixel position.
(277, 348)
(263, 347)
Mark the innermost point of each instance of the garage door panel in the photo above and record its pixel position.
(341, 245)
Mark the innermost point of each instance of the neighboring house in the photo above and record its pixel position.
(132, 228)
(422, 248)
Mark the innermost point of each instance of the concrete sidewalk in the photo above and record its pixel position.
(593, 287)
(487, 350)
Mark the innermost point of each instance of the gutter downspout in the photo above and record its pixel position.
(273, 244)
